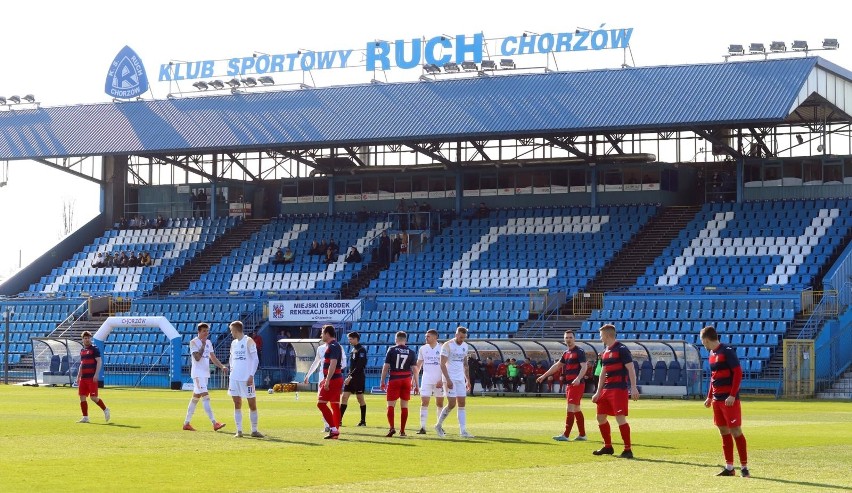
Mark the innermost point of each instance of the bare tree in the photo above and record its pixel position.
(67, 217)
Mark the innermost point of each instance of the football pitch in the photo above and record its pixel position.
(793, 446)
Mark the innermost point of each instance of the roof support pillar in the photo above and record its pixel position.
(594, 180)
(459, 191)
(331, 194)
(740, 184)
(115, 183)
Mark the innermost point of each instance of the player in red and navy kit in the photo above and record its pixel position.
(573, 365)
(398, 362)
(332, 382)
(87, 377)
(723, 395)
(611, 396)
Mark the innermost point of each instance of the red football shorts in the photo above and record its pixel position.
(399, 389)
(731, 417)
(573, 393)
(335, 386)
(613, 402)
(87, 387)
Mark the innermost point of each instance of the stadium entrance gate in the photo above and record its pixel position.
(798, 368)
(175, 374)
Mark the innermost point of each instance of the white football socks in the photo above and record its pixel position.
(190, 410)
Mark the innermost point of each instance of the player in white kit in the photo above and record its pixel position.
(429, 361)
(456, 379)
(316, 366)
(202, 353)
(243, 363)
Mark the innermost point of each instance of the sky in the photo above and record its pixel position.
(60, 52)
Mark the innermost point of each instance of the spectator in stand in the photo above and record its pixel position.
(161, 222)
(121, 261)
(108, 261)
(122, 223)
(334, 248)
(500, 375)
(403, 243)
(384, 248)
(278, 259)
(354, 256)
(474, 366)
(141, 222)
(513, 375)
(396, 247)
(323, 247)
(288, 256)
(527, 368)
(330, 258)
(363, 215)
(133, 260)
(401, 206)
(202, 203)
(315, 248)
(99, 261)
(483, 211)
(145, 259)
(134, 223)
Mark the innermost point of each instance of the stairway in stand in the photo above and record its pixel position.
(210, 256)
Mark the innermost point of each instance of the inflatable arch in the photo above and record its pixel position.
(176, 378)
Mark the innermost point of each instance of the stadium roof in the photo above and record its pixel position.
(766, 92)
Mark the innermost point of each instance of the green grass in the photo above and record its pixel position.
(793, 446)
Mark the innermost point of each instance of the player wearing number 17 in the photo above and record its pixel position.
(398, 362)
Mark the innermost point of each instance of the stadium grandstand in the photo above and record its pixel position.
(659, 199)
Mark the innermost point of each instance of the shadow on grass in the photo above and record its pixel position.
(281, 440)
(116, 425)
(753, 477)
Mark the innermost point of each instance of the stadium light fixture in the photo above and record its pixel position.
(266, 80)
(451, 68)
(489, 65)
(431, 68)
(507, 63)
(15, 99)
(736, 50)
(830, 44)
(777, 46)
(425, 78)
(799, 45)
(756, 48)
(217, 84)
(234, 83)
(305, 86)
(250, 81)
(2, 100)
(201, 85)
(469, 66)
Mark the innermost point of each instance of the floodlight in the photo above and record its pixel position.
(217, 84)
(777, 46)
(2, 100)
(469, 66)
(425, 78)
(431, 68)
(201, 85)
(736, 50)
(451, 68)
(234, 83)
(15, 99)
(29, 98)
(799, 139)
(305, 86)
(250, 81)
(489, 65)
(830, 44)
(266, 80)
(800, 45)
(756, 48)
(507, 63)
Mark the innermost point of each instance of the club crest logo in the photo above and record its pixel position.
(126, 78)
